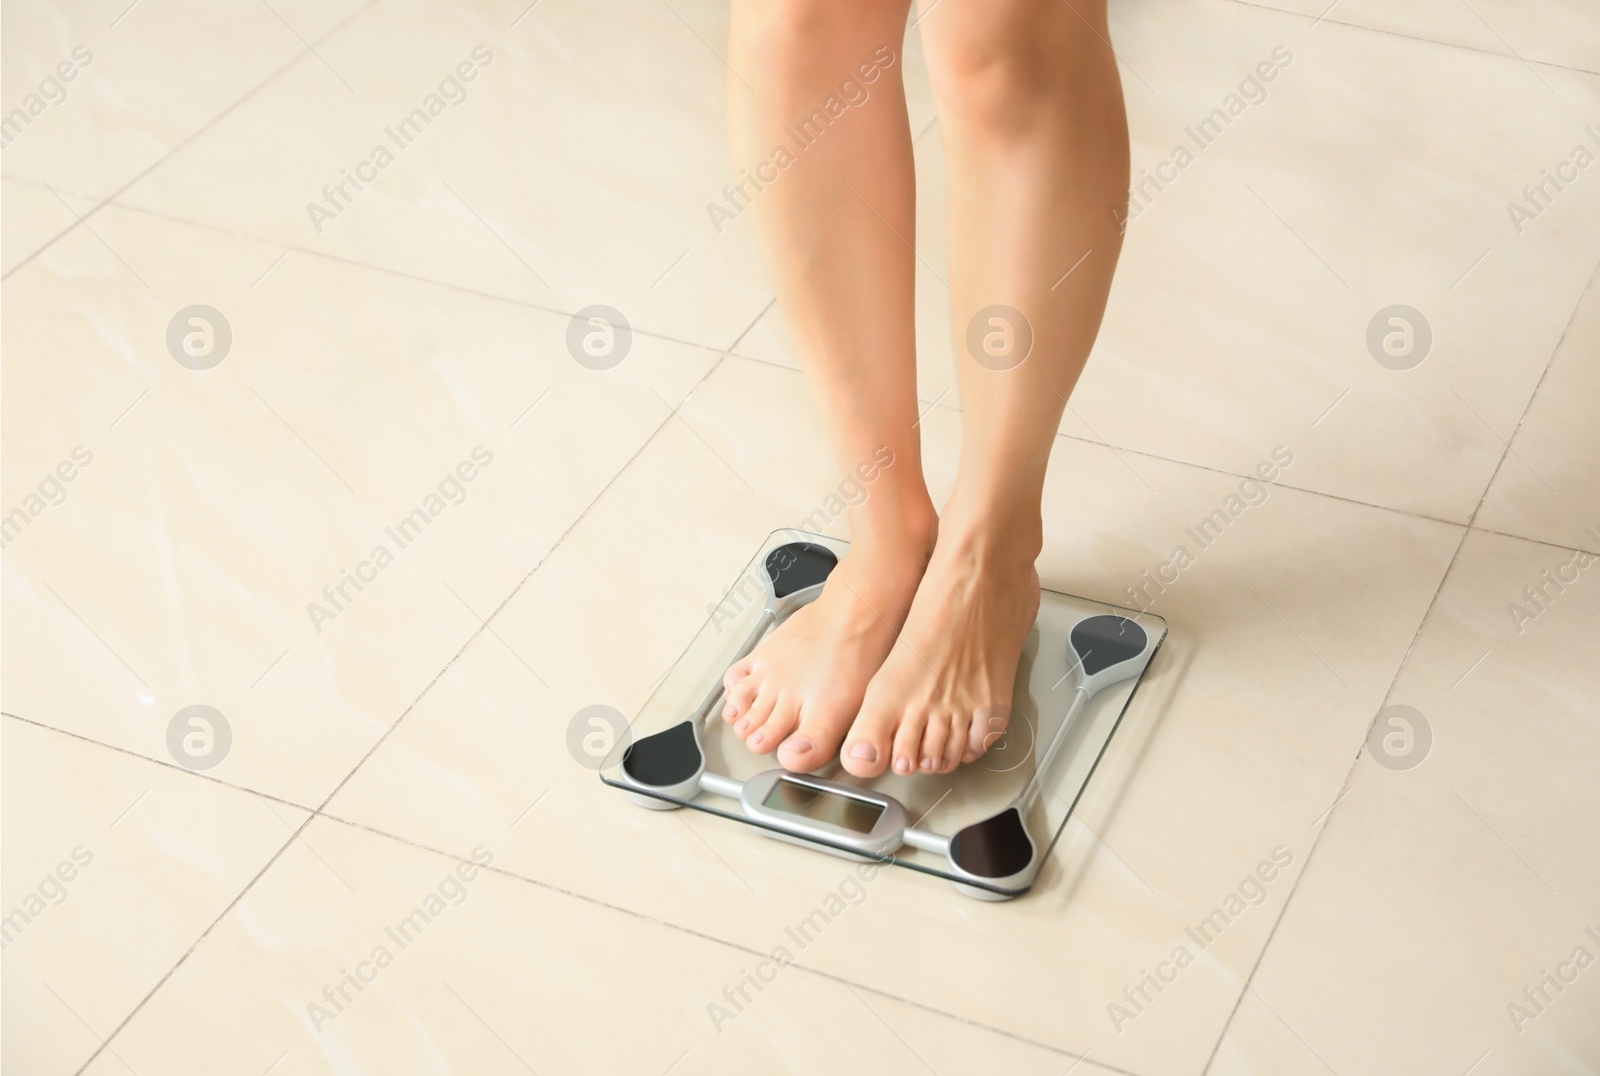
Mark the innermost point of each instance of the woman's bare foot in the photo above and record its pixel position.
(943, 694)
(803, 685)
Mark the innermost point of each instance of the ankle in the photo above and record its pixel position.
(991, 533)
(896, 519)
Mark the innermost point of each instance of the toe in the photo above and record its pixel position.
(933, 741)
(814, 742)
(780, 722)
(740, 698)
(957, 744)
(988, 725)
(737, 671)
(756, 722)
(752, 714)
(908, 742)
(866, 749)
(730, 681)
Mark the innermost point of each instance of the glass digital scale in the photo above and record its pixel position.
(987, 826)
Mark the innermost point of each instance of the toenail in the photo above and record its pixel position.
(743, 725)
(902, 765)
(864, 751)
(798, 743)
(927, 763)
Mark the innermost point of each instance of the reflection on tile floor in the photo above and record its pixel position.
(207, 891)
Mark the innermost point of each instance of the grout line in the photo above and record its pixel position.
(1536, 541)
(1511, 438)
(1346, 784)
(402, 274)
(1275, 482)
(196, 133)
(766, 362)
(46, 186)
(1344, 787)
(106, 1042)
(155, 761)
(748, 329)
(1416, 37)
(743, 357)
(486, 621)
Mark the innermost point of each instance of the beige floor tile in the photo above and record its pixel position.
(107, 89)
(1240, 737)
(113, 867)
(1548, 488)
(34, 215)
(1259, 1043)
(1439, 893)
(186, 561)
(574, 169)
(505, 976)
(1563, 32)
(1247, 285)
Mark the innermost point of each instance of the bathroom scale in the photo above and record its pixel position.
(987, 826)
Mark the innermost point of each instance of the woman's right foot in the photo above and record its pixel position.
(801, 688)
(944, 695)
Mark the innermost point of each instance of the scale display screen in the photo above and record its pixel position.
(846, 812)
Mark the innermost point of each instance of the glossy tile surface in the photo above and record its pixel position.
(1247, 888)
(107, 89)
(446, 985)
(114, 867)
(1441, 893)
(1249, 284)
(433, 443)
(1545, 31)
(1548, 487)
(34, 215)
(534, 182)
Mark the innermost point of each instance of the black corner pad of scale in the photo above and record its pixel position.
(997, 847)
(798, 565)
(1107, 640)
(665, 758)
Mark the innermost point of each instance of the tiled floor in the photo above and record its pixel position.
(167, 919)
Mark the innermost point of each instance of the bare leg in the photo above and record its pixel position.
(827, 124)
(1030, 110)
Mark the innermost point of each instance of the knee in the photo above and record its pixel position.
(995, 69)
(802, 36)
(800, 23)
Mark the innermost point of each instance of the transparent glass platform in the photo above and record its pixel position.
(961, 826)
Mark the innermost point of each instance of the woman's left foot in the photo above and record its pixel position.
(943, 695)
